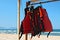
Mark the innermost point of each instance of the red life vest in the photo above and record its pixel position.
(26, 24)
(27, 28)
(46, 20)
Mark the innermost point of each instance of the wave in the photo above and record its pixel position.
(8, 31)
(14, 31)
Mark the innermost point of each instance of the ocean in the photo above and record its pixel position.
(55, 32)
(8, 31)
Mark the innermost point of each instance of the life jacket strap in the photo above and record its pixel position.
(48, 34)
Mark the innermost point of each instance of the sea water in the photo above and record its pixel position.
(55, 32)
(8, 31)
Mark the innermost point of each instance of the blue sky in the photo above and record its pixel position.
(8, 13)
(53, 10)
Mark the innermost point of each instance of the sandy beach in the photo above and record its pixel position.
(15, 37)
(8, 37)
(42, 37)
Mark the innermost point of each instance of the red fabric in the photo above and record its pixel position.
(27, 28)
(26, 24)
(46, 21)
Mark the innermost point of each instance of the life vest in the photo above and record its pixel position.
(40, 23)
(26, 24)
(46, 20)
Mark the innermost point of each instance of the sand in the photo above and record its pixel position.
(8, 37)
(15, 37)
(42, 37)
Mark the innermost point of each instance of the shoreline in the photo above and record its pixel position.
(4, 36)
(42, 37)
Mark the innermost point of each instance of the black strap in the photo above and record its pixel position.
(26, 9)
(21, 35)
(48, 34)
(42, 26)
(21, 30)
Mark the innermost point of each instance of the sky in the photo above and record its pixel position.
(53, 10)
(8, 14)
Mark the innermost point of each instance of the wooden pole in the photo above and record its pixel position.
(18, 24)
(19, 21)
(34, 0)
(26, 37)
